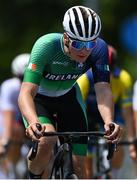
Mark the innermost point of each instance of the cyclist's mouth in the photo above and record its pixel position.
(81, 56)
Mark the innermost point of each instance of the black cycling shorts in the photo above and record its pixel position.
(70, 111)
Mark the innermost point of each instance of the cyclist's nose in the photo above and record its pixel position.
(85, 50)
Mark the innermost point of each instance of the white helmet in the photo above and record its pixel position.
(82, 23)
(19, 64)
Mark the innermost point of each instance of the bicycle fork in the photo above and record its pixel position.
(68, 169)
(63, 159)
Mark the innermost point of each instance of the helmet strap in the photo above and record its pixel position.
(66, 44)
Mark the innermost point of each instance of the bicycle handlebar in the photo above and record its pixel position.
(70, 135)
(75, 134)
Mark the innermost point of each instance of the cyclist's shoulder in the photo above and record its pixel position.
(47, 45)
(101, 48)
(123, 76)
(49, 38)
(11, 84)
(135, 86)
(101, 43)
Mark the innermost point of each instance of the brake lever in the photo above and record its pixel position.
(34, 147)
(111, 147)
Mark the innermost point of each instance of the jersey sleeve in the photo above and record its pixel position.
(100, 65)
(37, 63)
(126, 82)
(135, 96)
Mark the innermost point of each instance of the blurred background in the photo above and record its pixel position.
(24, 21)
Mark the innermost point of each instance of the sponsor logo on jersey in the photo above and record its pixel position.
(60, 63)
(104, 67)
(32, 66)
(62, 77)
(80, 65)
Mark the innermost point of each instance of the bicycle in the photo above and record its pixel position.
(103, 165)
(62, 167)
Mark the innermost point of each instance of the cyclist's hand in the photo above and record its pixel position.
(133, 152)
(2, 151)
(35, 131)
(113, 135)
(4, 145)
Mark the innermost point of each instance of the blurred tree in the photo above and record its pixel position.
(113, 13)
(23, 21)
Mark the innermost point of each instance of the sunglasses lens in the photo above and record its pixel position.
(90, 44)
(79, 44)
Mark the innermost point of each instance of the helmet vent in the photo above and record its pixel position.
(85, 19)
(77, 22)
(70, 25)
(93, 24)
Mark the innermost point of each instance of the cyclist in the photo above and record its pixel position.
(133, 149)
(11, 126)
(49, 85)
(121, 84)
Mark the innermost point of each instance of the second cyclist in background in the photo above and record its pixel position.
(121, 84)
(133, 149)
(12, 129)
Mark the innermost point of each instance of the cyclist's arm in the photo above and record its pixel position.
(133, 149)
(135, 118)
(8, 123)
(27, 107)
(105, 101)
(32, 78)
(127, 113)
(126, 99)
(135, 105)
(106, 109)
(8, 118)
(101, 76)
(8, 113)
(8, 108)
(26, 104)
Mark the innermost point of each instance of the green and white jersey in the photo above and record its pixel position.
(51, 69)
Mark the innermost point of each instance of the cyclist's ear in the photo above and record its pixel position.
(66, 39)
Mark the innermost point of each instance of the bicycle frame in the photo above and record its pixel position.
(63, 157)
(63, 161)
(103, 166)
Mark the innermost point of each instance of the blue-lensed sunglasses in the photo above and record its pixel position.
(81, 44)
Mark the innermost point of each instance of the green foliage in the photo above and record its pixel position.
(113, 13)
(23, 21)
